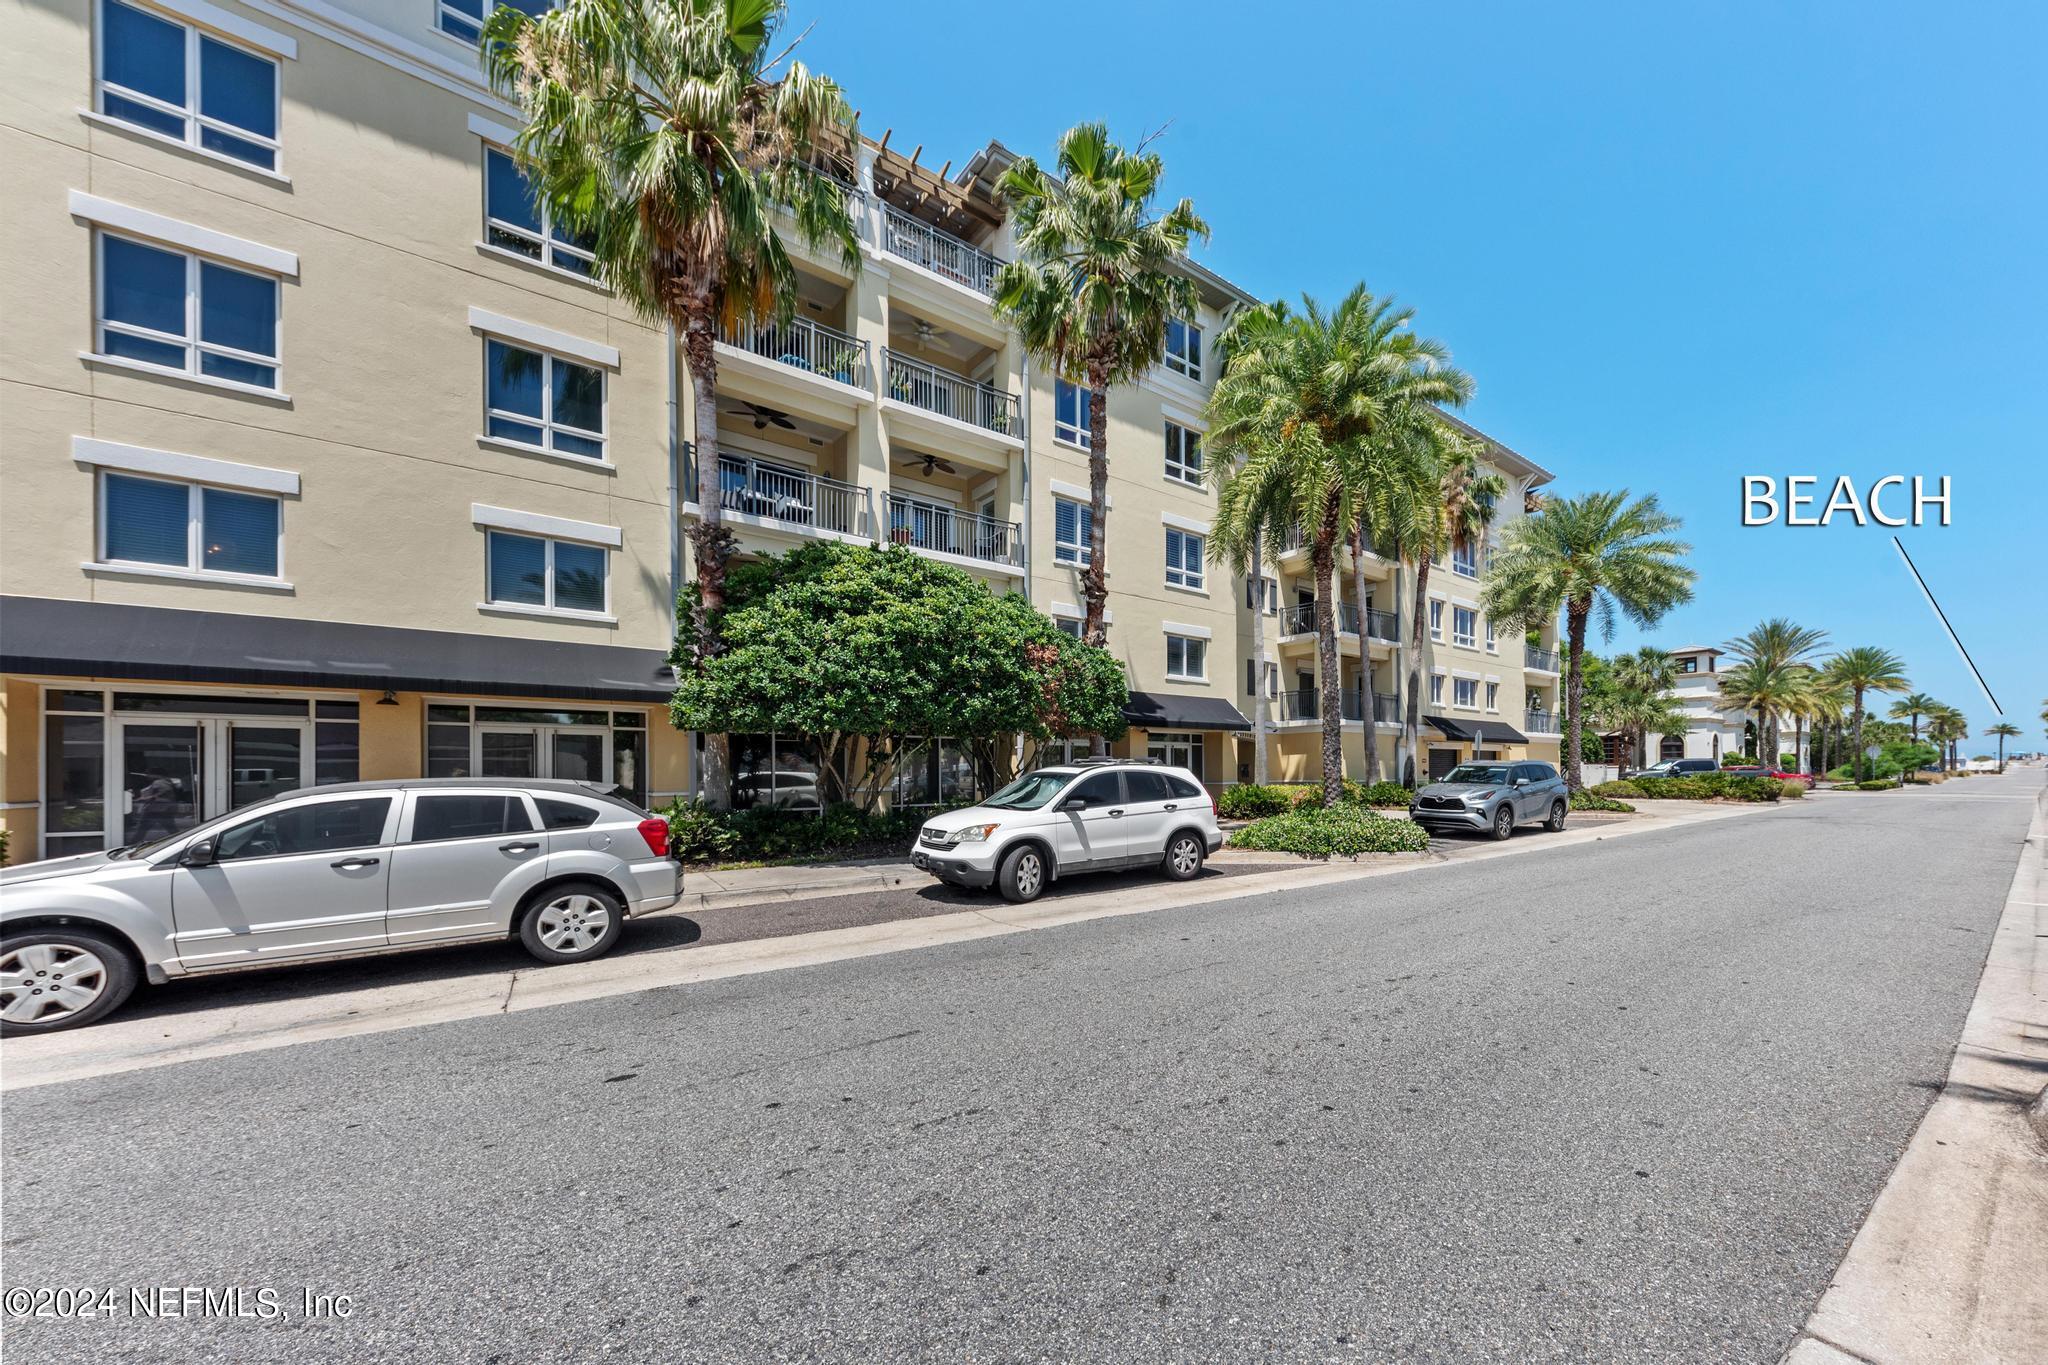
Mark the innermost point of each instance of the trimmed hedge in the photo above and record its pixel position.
(1249, 801)
(1344, 831)
(1594, 799)
(1707, 787)
(1624, 787)
(1392, 795)
(1880, 784)
(699, 834)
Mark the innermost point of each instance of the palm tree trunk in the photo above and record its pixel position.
(1372, 739)
(1856, 759)
(1799, 745)
(1095, 577)
(1411, 718)
(1329, 688)
(1576, 615)
(1258, 661)
(710, 541)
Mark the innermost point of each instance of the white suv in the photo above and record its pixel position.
(1092, 816)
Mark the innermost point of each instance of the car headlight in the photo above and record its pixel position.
(1480, 798)
(973, 834)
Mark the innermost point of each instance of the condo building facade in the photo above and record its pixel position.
(325, 458)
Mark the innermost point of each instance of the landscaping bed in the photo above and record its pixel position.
(1704, 787)
(1348, 830)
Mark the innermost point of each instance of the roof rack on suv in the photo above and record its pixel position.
(1106, 762)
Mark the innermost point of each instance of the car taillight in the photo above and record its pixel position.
(655, 831)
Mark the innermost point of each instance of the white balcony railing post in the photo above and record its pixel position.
(939, 252)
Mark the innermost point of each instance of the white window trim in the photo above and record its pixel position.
(189, 341)
(545, 419)
(1201, 677)
(1469, 639)
(536, 524)
(1183, 628)
(1078, 492)
(1472, 705)
(1180, 365)
(1175, 471)
(1075, 555)
(127, 220)
(491, 130)
(1199, 581)
(1082, 441)
(541, 338)
(172, 464)
(1071, 612)
(1436, 618)
(192, 570)
(547, 608)
(255, 41)
(1189, 524)
(183, 148)
(550, 245)
(233, 25)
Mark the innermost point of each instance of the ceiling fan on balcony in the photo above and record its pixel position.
(762, 416)
(930, 462)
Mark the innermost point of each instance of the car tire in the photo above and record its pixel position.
(83, 974)
(1022, 876)
(1504, 821)
(571, 922)
(1183, 858)
(1556, 820)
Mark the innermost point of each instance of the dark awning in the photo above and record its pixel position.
(1477, 731)
(1176, 711)
(113, 640)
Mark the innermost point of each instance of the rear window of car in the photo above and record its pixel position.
(468, 817)
(1182, 787)
(1144, 786)
(1540, 772)
(564, 814)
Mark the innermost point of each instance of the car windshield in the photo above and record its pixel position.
(1030, 791)
(1478, 772)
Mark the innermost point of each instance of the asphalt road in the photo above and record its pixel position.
(1625, 1101)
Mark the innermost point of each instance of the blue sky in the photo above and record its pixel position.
(1673, 244)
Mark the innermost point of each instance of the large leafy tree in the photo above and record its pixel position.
(1597, 555)
(678, 141)
(1778, 646)
(1319, 414)
(1099, 278)
(1642, 684)
(1861, 671)
(868, 650)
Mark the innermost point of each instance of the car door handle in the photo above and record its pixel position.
(517, 847)
(349, 864)
(1173, 805)
(1116, 815)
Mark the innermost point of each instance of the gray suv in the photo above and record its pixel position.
(339, 871)
(1493, 796)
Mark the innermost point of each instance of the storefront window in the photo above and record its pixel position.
(629, 763)
(74, 775)
(337, 742)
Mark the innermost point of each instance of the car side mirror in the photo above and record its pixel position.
(197, 854)
(1521, 782)
(1075, 803)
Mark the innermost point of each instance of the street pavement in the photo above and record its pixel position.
(1628, 1100)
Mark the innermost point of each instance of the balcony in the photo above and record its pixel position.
(1540, 722)
(1542, 660)
(1305, 703)
(803, 502)
(1300, 619)
(946, 394)
(804, 345)
(939, 252)
(1383, 625)
(948, 531)
(1386, 709)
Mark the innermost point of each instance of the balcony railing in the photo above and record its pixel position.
(1544, 659)
(804, 345)
(1300, 619)
(1305, 703)
(939, 252)
(1386, 709)
(1383, 625)
(795, 498)
(928, 526)
(1540, 722)
(951, 395)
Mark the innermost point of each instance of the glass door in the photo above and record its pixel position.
(263, 761)
(580, 755)
(577, 755)
(161, 777)
(508, 753)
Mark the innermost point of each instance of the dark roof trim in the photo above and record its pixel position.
(117, 640)
(1477, 731)
(1177, 711)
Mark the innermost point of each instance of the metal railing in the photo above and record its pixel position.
(939, 252)
(1540, 721)
(1386, 709)
(1383, 625)
(929, 526)
(967, 400)
(1300, 619)
(1545, 659)
(812, 501)
(804, 345)
(1305, 703)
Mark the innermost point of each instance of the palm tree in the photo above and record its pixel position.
(1819, 701)
(1860, 671)
(1911, 708)
(1947, 726)
(1642, 682)
(1774, 644)
(2004, 730)
(1315, 409)
(1596, 554)
(1097, 282)
(673, 137)
(1455, 513)
(1770, 690)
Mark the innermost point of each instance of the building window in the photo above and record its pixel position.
(543, 401)
(1493, 696)
(1183, 454)
(1436, 689)
(179, 83)
(1068, 625)
(1252, 672)
(1262, 594)
(1183, 559)
(1492, 645)
(1465, 692)
(1184, 348)
(1689, 664)
(1072, 525)
(1465, 627)
(1671, 746)
(515, 220)
(556, 575)
(1187, 657)
(185, 313)
(1465, 560)
(188, 526)
(463, 20)
(1070, 406)
(1436, 620)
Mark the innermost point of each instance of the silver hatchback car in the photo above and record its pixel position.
(360, 867)
(1492, 797)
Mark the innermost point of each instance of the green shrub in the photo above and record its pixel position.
(1249, 801)
(1592, 799)
(1788, 763)
(700, 834)
(1343, 831)
(1708, 787)
(1881, 784)
(1795, 790)
(1391, 795)
(1624, 787)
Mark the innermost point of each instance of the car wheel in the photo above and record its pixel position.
(1504, 821)
(572, 922)
(53, 979)
(1183, 861)
(1022, 876)
(1556, 820)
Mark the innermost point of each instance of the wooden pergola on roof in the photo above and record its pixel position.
(964, 206)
